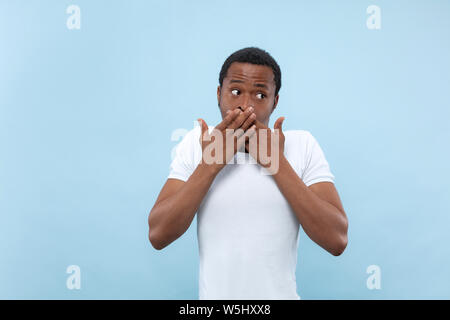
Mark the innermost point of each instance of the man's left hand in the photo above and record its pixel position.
(266, 141)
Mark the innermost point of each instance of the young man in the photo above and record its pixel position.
(248, 222)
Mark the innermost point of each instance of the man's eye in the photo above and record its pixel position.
(235, 92)
(260, 95)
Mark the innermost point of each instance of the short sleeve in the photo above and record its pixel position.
(317, 168)
(182, 165)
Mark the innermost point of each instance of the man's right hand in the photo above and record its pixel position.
(242, 128)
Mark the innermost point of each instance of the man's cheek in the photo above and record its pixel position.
(262, 116)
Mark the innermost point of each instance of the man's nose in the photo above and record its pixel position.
(246, 102)
(244, 107)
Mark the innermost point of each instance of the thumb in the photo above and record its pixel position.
(279, 124)
(203, 125)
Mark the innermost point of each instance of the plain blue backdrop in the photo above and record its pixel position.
(86, 119)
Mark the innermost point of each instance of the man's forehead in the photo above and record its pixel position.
(250, 72)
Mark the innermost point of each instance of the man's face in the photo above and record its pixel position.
(248, 85)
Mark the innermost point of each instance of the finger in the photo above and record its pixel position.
(249, 121)
(227, 120)
(235, 134)
(238, 121)
(279, 124)
(260, 125)
(203, 127)
(246, 136)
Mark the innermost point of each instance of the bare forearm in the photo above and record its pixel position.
(320, 220)
(171, 217)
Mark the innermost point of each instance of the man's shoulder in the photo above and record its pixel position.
(191, 135)
(297, 136)
(298, 132)
(194, 133)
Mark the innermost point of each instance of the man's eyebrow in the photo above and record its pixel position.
(259, 85)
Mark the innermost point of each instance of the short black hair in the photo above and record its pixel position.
(256, 56)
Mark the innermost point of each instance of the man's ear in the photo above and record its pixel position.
(275, 103)
(218, 95)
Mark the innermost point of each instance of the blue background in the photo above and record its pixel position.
(86, 118)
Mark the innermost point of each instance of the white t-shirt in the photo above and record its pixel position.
(247, 232)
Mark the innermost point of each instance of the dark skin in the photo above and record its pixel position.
(248, 92)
